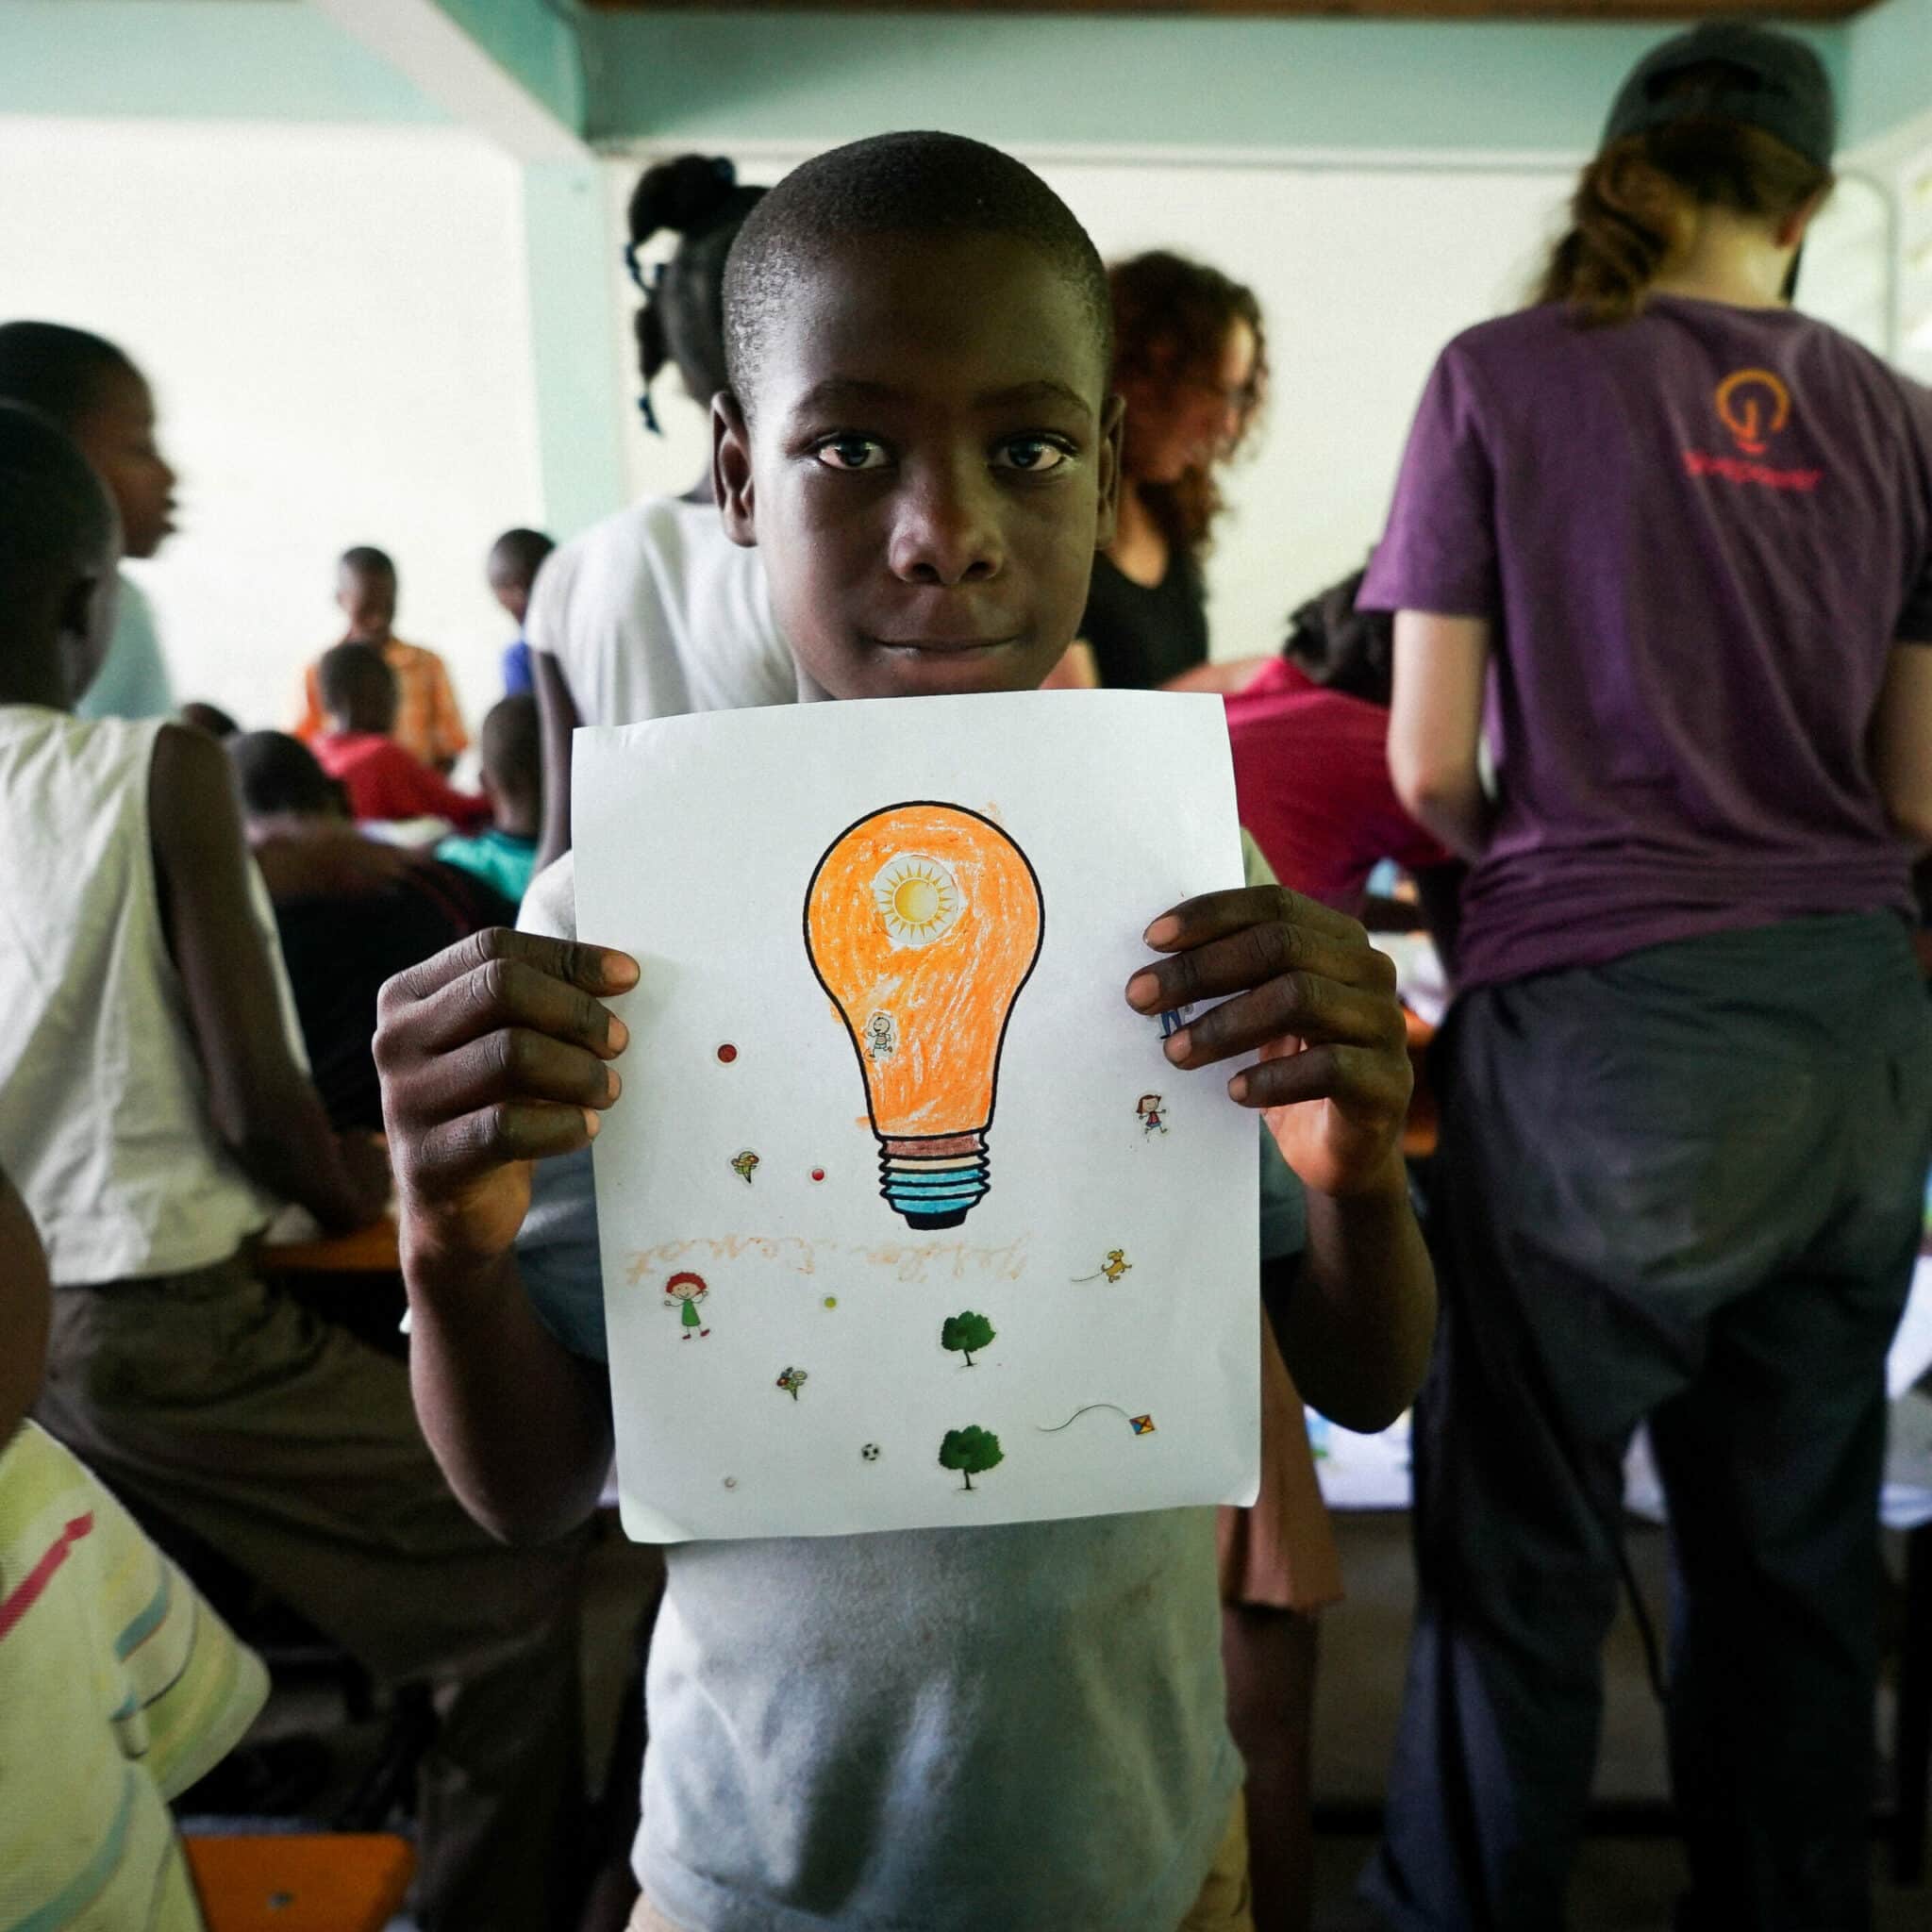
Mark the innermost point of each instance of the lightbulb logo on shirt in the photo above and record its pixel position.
(1755, 407)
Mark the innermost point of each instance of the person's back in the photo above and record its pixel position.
(654, 611)
(1675, 755)
(102, 1118)
(504, 857)
(360, 696)
(341, 946)
(1681, 539)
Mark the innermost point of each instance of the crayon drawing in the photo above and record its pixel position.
(858, 969)
(1138, 1425)
(687, 1291)
(924, 922)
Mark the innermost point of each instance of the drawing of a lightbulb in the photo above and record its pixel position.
(923, 921)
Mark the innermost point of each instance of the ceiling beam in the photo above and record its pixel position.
(1582, 11)
(511, 69)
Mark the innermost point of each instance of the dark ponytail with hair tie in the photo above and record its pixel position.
(681, 318)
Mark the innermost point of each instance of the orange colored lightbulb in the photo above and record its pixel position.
(924, 922)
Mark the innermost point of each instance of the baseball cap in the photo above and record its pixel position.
(1773, 81)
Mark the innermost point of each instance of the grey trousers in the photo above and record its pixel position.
(1684, 1186)
(294, 1449)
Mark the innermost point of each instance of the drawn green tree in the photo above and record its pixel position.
(966, 1331)
(972, 1452)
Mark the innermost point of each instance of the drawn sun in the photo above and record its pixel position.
(918, 899)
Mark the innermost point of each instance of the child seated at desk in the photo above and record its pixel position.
(504, 856)
(359, 691)
(342, 939)
(155, 1113)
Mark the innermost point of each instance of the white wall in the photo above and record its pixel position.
(335, 320)
(1363, 274)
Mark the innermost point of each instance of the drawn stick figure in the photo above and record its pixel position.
(690, 1291)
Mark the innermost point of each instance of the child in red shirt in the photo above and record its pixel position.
(383, 781)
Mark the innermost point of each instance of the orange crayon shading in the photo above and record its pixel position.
(923, 921)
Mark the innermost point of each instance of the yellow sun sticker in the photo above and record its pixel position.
(917, 898)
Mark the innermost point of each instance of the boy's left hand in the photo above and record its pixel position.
(1300, 984)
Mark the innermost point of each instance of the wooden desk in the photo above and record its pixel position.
(373, 1251)
(1419, 1135)
(300, 1884)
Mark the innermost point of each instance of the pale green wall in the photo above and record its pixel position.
(572, 333)
(1889, 74)
(1042, 82)
(198, 59)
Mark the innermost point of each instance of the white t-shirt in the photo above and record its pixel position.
(654, 612)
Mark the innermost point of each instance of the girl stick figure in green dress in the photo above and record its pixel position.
(690, 1291)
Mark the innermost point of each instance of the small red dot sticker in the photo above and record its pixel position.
(727, 1054)
(818, 1174)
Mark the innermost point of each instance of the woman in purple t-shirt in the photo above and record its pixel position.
(1672, 543)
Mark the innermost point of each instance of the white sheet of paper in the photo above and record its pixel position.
(696, 841)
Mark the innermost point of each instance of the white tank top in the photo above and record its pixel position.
(104, 1119)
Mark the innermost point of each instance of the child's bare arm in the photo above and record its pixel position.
(1300, 984)
(557, 714)
(265, 1107)
(494, 1056)
(25, 1311)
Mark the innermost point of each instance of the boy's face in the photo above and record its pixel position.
(117, 435)
(510, 586)
(933, 464)
(368, 598)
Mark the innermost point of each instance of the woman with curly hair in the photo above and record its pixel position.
(1190, 357)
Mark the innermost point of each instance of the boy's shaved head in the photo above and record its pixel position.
(60, 541)
(366, 560)
(55, 513)
(357, 688)
(911, 184)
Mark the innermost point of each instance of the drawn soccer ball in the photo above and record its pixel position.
(870, 1453)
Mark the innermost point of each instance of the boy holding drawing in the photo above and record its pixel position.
(1022, 1727)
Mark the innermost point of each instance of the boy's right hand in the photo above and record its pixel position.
(493, 1055)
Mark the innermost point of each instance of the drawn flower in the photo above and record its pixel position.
(792, 1381)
